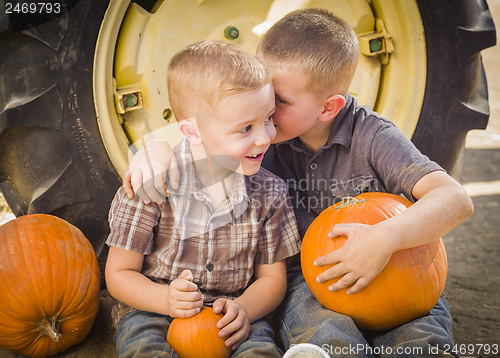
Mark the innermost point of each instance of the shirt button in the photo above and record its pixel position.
(357, 191)
(210, 266)
(314, 166)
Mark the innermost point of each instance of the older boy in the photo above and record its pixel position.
(223, 235)
(323, 136)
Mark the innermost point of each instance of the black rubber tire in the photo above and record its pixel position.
(52, 156)
(456, 93)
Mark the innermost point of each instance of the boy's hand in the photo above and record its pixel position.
(147, 171)
(234, 325)
(184, 299)
(359, 261)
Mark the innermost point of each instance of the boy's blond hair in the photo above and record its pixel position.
(324, 46)
(202, 74)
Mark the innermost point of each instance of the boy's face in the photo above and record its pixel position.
(243, 128)
(297, 107)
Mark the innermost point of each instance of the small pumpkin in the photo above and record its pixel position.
(408, 287)
(49, 285)
(198, 336)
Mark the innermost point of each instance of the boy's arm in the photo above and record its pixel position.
(126, 283)
(258, 300)
(269, 286)
(146, 173)
(442, 205)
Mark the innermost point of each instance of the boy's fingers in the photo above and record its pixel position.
(359, 285)
(127, 185)
(218, 305)
(160, 185)
(151, 192)
(136, 181)
(236, 340)
(237, 331)
(226, 323)
(186, 275)
(190, 297)
(184, 283)
(331, 273)
(339, 230)
(187, 304)
(331, 258)
(173, 173)
(346, 281)
(142, 195)
(186, 313)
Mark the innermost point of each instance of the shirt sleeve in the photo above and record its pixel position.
(279, 236)
(398, 162)
(132, 223)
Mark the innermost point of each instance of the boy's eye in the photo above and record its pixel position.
(279, 100)
(246, 129)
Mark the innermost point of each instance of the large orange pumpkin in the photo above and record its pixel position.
(198, 336)
(407, 288)
(49, 285)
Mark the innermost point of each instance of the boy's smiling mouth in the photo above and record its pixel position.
(256, 157)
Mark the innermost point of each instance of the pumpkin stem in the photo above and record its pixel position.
(50, 327)
(349, 200)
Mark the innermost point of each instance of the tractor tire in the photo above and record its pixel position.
(456, 93)
(53, 159)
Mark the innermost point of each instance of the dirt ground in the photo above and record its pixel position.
(473, 248)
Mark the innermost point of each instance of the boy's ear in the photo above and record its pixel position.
(332, 107)
(189, 127)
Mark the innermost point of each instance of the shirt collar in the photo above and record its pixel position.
(341, 131)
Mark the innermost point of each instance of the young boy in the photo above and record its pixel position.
(223, 236)
(324, 139)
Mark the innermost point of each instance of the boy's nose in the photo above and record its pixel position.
(264, 135)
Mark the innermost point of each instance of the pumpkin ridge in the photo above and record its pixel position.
(434, 281)
(85, 281)
(374, 205)
(423, 295)
(21, 260)
(71, 278)
(77, 299)
(65, 299)
(42, 285)
(6, 286)
(443, 258)
(74, 302)
(51, 275)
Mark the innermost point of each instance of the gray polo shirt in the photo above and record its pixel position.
(364, 152)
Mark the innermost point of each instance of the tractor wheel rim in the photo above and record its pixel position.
(135, 45)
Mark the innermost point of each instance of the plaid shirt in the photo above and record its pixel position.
(255, 224)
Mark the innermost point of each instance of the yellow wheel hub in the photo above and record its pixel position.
(135, 46)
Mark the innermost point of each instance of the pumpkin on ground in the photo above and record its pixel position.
(49, 285)
(198, 336)
(408, 287)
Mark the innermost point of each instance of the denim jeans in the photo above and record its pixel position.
(302, 319)
(144, 334)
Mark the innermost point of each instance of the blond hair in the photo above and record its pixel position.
(202, 74)
(324, 46)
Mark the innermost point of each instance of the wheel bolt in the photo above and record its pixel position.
(131, 100)
(231, 32)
